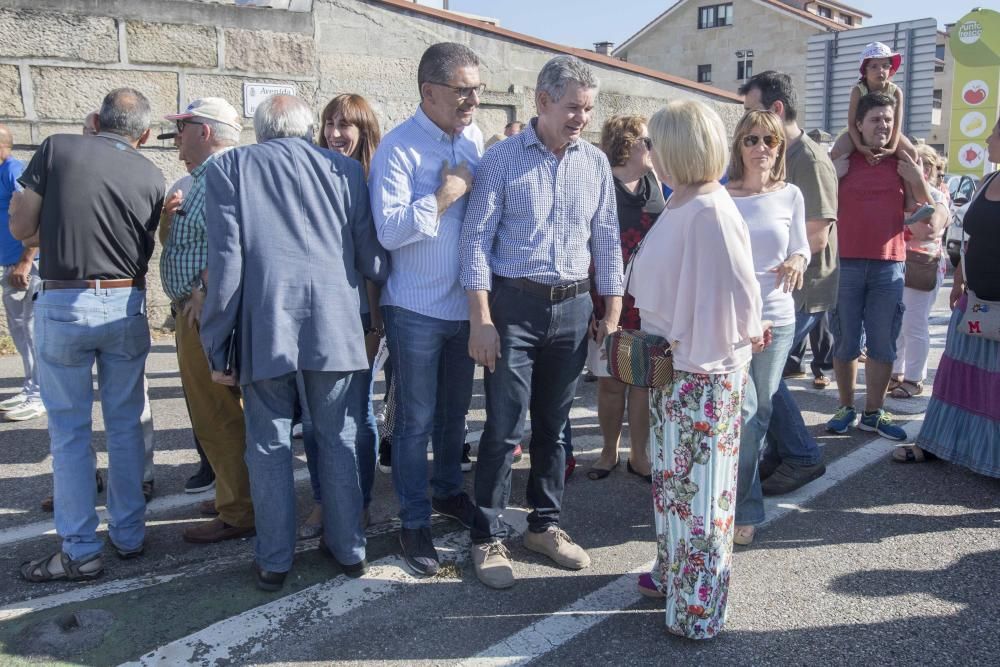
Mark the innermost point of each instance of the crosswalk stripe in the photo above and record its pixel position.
(237, 638)
(553, 631)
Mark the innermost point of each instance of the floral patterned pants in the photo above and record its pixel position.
(694, 444)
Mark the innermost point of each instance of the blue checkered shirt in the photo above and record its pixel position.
(532, 215)
(423, 248)
(185, 252)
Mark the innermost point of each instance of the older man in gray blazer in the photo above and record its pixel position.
(290, 239)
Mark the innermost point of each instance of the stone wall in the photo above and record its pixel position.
(59, 57)
(778, 40)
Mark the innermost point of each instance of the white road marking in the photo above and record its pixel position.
(31, 531)
(553, 631)
(235, 639)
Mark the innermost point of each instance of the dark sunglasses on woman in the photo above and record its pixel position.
(769, 140)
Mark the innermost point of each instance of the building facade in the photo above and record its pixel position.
(723, 42)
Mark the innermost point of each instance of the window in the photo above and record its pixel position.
(846, 20)
(939, 51)
(715, 16)
(744, 69)
(704, 74)
(938, 98)
(825, 12)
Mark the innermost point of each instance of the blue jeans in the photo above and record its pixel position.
(19, 306)
(432, 378)
(788, 438)
(869, 309)
(765, 375)
(366, 442)
(335, 401)
(73, 330)
(543, 347)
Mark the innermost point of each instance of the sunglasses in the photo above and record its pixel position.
(769, 140)
(647, 142)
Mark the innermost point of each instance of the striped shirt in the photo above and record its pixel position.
(185, 252)
(405, 174)
(532, 215)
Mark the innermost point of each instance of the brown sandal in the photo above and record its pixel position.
(912, 454)
(893, 383)
(907, 389)
(821, 382)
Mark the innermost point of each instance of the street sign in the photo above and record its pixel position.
(255, 93)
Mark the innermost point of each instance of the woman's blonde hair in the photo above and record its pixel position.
(690, 142)
(929, 157)
(619, 135)
(770, 123)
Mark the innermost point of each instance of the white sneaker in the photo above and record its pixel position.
(27, 410)
(492, 564)
(558, 546)
(15, 401)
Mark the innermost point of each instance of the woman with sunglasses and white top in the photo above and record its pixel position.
(774, 212)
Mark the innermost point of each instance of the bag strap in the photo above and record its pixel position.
(631, 260)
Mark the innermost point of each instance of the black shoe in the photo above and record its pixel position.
(788, 477)
(129, 554)
(203, 480)
(267, 580)
(419, 553)
(353, 570)
(466, 461)
(458, 507)
(147, 490)
(767, 467)
(100, 481)
(385, 456)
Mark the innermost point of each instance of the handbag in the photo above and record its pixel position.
(636, 357)
(921, 271)
(981, 318)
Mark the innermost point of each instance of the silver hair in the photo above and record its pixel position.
(281, 116)
(560, 71)
(222, 134)
(439, 62)
(125, 111)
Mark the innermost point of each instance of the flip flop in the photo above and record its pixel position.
(912, 454)
(628, 466)
(596, 473)
(821, 382)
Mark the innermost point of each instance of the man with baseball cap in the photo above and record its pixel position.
(208, 127)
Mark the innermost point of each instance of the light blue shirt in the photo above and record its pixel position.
(405, 173)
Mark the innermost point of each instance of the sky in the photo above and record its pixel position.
(580, 23)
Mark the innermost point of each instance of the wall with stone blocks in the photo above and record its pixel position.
(59, 57)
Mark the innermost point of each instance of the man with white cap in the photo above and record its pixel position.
(205, 129)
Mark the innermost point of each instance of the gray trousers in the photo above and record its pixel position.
(19, 305)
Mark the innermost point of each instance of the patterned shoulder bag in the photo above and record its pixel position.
(636, 357)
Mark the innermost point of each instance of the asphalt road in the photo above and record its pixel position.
(875, 563)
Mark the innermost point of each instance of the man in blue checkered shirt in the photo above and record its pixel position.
(542, 208)
(207, 128)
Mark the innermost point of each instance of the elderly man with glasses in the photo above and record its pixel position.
(420, 178)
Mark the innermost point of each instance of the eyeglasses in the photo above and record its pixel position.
(463, 92)
(769, 140)
(647, 142)
(185, 121)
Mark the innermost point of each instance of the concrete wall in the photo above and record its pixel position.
(677, 46)
(59, 57)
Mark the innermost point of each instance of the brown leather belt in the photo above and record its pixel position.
(552, 293)
(138, 283)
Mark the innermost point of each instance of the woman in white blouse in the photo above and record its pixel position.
(693, 283)
(774, 212)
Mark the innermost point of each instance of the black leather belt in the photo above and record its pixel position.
(552, 293)
(138, 283)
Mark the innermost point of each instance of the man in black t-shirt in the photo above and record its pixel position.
(92, 204)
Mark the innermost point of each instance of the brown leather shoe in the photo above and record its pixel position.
(215, 530)
(207, 507)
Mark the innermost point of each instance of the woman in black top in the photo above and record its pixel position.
(625, 141)
(962, 423)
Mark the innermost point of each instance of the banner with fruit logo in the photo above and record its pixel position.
(975, 96)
